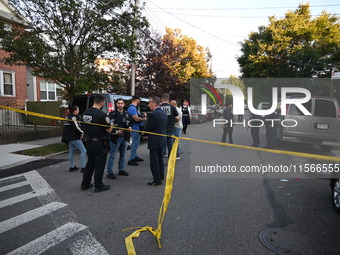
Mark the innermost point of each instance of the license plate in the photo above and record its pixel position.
(322, 126)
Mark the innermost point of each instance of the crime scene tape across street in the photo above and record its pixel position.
(171, 173)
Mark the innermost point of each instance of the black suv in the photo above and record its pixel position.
(85, 101)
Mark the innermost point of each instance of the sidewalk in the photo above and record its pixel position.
(9, 159)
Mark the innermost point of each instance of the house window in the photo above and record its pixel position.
(50, 91)
(7, 85)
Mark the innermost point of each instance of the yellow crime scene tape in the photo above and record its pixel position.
(171, 173)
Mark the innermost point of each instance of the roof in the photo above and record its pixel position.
(10, 14)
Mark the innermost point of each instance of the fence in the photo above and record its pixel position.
(19, 127)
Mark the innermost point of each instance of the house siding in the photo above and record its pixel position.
(18, 100)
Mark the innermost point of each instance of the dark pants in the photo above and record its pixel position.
(157, 164)
(240, 118)
(185, 121)
(96, 153)
(227, 131)
(255, 134)
(271, 137)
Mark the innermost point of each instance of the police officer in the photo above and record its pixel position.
(118, 138)
(271, 128)
(255, 122)
(96, 149)
(228, 128)
(186, 114)
(173, 117)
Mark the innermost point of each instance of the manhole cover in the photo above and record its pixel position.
(284, 242)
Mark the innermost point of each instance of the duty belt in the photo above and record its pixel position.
(94, 138)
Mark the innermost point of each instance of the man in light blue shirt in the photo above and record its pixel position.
(137, 122)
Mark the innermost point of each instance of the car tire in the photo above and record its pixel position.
(335, 184)
(326, 148)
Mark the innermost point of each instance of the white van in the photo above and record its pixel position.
(321, 128)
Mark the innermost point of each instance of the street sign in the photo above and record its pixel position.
(335, 75)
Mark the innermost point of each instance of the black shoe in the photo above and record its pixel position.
(138, 159)
(124, 173)
(132, 163)
(72, 169)
(101, 188)
(110, 176)
(82, 169)
(86, 187)
(154, 183)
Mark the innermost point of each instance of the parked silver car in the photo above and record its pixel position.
(321, 128)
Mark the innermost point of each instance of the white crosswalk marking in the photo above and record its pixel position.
(49, 240)
(83, 241)
(14, 186)
(87, 245)
(24, 197)
(29, 216)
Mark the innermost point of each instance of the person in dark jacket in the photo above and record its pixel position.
(228, 129)
(255, 122)
(173, 117)
(72, 135)
(118, 139)
(157, 123)
(186, 115)
(96, 144)
(271, 129)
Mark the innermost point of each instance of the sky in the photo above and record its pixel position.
(221, 25)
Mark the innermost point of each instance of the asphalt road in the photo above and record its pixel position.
(206, 215)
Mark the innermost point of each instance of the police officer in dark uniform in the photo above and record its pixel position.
(255, 122)
(95, 142)
(271, 129)
(185, 116)
(228, 129)
(118, 138)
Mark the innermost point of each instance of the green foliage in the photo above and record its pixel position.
(63, 39)
(294, 46)
(46, 150)
(225, 93)
(168, 63)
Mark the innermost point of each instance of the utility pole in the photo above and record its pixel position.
(133, 64)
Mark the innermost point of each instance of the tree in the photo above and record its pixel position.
(168, 64)
(64, 38)
(294, 46)
(232, 80)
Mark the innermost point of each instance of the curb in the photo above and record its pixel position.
(33, 158)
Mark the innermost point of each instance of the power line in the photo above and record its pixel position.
(159, 22)
(153, 20)
(234, 44)
(231, 17)
(245, 8)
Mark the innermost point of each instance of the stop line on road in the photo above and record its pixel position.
(83, 242)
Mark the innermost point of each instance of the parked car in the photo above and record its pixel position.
(263, 106)
(210, 113)
(335, 186)
(321, 128)
(197, 117)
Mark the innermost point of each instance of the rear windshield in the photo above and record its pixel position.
(325, 108)
(80, 102)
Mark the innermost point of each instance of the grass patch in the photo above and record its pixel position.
(46, 150)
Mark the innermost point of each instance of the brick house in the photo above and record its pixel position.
(17, 84)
